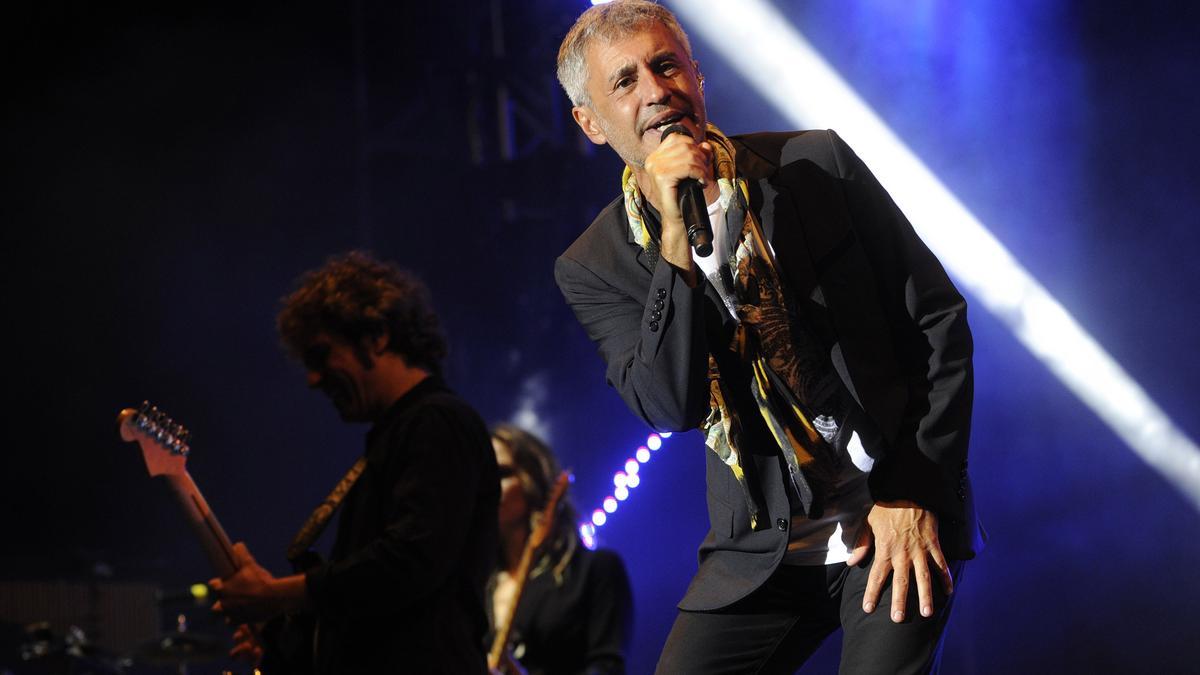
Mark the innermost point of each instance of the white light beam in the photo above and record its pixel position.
(769, 53)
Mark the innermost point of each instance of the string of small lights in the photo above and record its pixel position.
(623, 481)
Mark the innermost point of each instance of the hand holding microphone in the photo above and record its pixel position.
(692, 204)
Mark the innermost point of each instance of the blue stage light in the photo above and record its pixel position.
(777, 61)
(623, 482)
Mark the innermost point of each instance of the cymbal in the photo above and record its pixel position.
(174, 648)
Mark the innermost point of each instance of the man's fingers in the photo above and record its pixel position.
(943, 569)
(857, 555)
(861, 547)
(680, 159)
(875, 579)
(247, 652)
(241, 554)
(924, 586)
(899, 591)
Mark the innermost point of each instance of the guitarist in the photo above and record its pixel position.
(575, 610)
(403, 589)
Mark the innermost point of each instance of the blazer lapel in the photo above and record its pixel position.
(821, 262)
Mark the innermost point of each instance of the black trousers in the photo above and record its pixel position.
(777, 627)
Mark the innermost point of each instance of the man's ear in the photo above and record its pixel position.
(378, 344)
(586, 118)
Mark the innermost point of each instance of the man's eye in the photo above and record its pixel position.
(506, 471)
(624, 82)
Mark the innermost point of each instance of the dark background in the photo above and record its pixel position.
(170, 172)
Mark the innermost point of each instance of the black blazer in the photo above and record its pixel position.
(893, 323)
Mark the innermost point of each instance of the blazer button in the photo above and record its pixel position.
(662, 293)
(658, 304)
(653, 326)
(655, 315)
(781, 524)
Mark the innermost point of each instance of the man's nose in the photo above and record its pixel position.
(655, 88)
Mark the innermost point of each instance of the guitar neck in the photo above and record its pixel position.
(204, 524)
(504, 630)
(536, 539)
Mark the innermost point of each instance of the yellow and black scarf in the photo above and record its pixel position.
(791, 377)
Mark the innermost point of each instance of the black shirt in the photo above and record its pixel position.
(403, 590)
(581, 626)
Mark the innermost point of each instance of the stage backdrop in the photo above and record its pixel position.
(170, 174)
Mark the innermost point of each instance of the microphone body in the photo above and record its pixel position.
(692, 204)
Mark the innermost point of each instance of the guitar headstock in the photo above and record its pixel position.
(164, 441)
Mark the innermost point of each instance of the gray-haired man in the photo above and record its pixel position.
(821, 349)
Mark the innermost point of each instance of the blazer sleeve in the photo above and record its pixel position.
(927, 460)
(653, 346)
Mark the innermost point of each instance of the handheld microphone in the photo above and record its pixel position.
(692, 204)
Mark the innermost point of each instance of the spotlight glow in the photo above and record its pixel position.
(777, 61)
(623, 482)
(654, 442)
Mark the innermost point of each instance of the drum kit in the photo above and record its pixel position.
(44, 651)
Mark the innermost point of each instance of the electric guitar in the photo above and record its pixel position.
(165, 447)
(536, 540)
(164, 444)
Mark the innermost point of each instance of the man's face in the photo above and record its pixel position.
(344, 374)
(638, 85)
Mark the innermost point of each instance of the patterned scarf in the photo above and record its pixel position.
(793, 383)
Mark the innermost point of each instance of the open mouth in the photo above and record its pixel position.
(659, 123)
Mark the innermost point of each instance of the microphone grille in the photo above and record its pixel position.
(675, 129)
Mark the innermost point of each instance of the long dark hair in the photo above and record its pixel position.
(537, 470)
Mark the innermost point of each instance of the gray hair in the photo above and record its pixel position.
(609, 21)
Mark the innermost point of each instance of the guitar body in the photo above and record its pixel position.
(287, 643)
